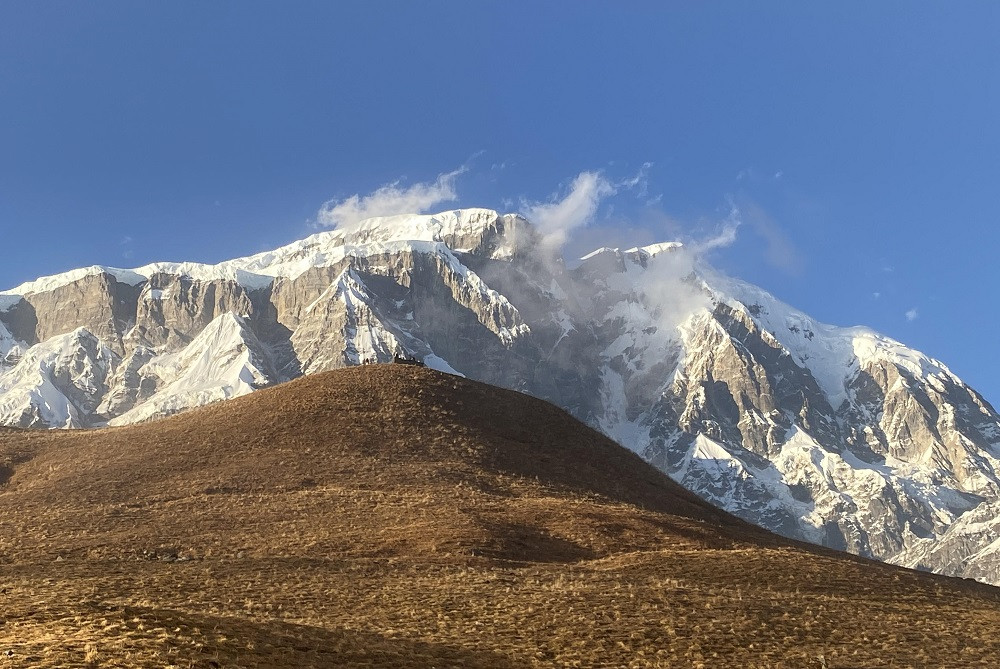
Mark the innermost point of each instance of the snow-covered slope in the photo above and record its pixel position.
(480, 231)
(56, 384)
(10, 349)
(835, 435)
(225, 360)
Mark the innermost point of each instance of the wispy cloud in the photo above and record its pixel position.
(556, 219)
(912, 314)
(126, 246)
(723, 238)
(779, 251)
(639, 183)
(389, 200)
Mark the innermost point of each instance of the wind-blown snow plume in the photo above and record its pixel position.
(723, 238)
(389, 200)
(555, 220)
(669, 284)
(668, 287)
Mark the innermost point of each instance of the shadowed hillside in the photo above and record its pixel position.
(395, 516)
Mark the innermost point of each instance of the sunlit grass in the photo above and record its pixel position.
(398, 517)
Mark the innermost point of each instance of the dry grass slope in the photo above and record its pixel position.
(394, 516)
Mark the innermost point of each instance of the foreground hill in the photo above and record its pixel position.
(396, 516)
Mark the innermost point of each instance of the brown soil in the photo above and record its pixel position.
(394, 516)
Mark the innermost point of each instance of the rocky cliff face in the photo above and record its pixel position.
(834, 435)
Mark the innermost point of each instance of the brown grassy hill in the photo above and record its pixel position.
(395, 516)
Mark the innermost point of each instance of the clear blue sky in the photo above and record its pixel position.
(860, 140)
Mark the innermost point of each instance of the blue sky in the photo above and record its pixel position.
(859, 141)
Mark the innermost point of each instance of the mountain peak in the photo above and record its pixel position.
(474, 231)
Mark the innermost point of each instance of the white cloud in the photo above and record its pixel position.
(778, 175)
(667, 289)
(640, 182)
(876, 295)
(389, 200)
(725, 237)
(126, 246)
(555, 220)
(912, 314)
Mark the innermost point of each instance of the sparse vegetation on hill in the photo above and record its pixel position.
(395, 516)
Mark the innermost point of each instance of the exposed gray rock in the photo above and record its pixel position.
(171, 310)
(98, 302)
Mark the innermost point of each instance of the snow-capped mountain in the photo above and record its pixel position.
(839, 436)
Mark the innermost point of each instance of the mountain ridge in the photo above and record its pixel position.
(838, 436)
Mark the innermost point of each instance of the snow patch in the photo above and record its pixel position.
(441, 365)
(220, 363)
